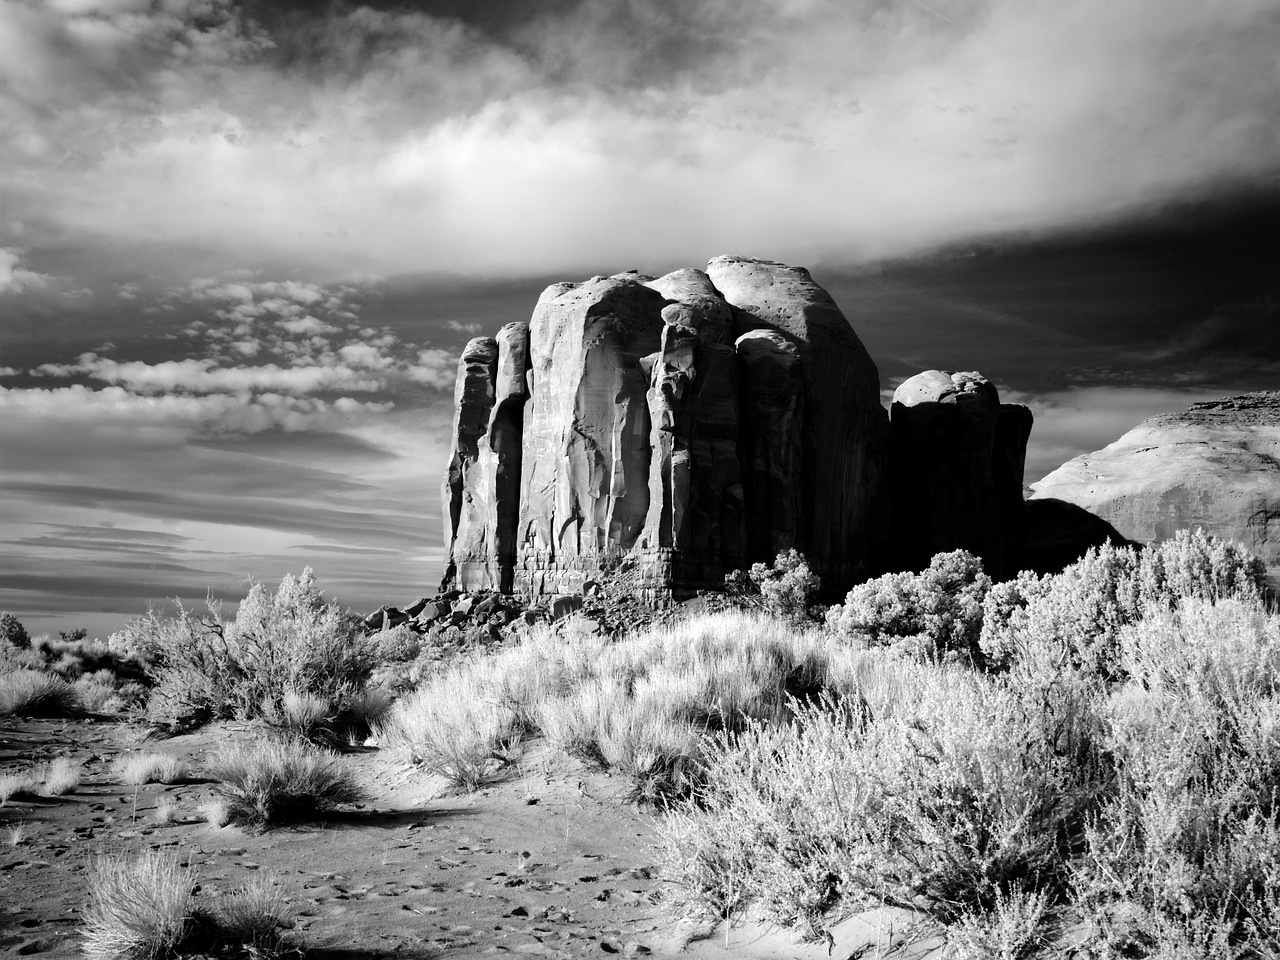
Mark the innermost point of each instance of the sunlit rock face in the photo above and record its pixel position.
(957, 466)
(1215, 466)
(693, 424)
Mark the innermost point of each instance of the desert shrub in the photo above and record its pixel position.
(265, 784)
(24, 784)
(139, 908)
(253, 916)
(932, 785)
(1076, 616)
(785, 588)
(13, 632)
(1015, 928)
(289, 644)
(60, 777)
(134, 769)
(34, 693)
(144, 908)
(638, 706)
(1192, 833)
(932, 615)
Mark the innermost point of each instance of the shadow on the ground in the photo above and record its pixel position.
(394, 818)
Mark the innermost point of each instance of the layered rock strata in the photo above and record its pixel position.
(957, 466)
(698, 422)
(1215, 466)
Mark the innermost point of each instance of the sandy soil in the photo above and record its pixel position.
(551, 862)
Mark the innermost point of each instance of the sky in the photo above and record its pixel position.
(243, 243)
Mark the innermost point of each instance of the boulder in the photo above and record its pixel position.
(565, 605)
(1060, 533)
(842, 474)
(432, 612)
(1215, 466)
(958, 456)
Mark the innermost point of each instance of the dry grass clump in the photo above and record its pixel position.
(144, 908)
(25, 784)
(639, 706)
(34, 693)
(139, 908)
(54, 779)
(134, 769)
(265, 784)
(60, 777)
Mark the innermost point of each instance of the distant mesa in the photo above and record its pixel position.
(692, 424)
(1215, 466)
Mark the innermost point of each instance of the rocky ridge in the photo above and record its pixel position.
(688, 425)
(1215, 466)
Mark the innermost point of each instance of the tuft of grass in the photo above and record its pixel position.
(265, 784)
(255, 915)
(143, 908)
(16, 835)
(215, 813)
(61, 777)
(166, 811)
(34, 693)
(134, 769)
(139, 908)
(18, 785)
(640, 707)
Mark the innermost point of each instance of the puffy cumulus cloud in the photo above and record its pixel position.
(807, 130)
(15, 279)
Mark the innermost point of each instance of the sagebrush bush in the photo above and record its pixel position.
(1076, 616)
(268, 783)
(35, 693)
(638, 705)
(784, 588)
(1191, 834)
(287, 644)
(932, 615)
(933, 785)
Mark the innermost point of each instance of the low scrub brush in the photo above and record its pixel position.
(265, 784)
(144, 908)
(33, 693)
(135, 769)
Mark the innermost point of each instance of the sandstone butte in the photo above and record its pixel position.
(688, 425)
(1215, 466)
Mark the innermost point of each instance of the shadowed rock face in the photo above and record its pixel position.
(1215, 466)
(463, 493)
(958, 456)
(696, 423)
(843, 526)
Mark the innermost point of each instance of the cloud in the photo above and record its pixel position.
(387, 142)
(15, 279)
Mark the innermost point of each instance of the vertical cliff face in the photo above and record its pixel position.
(463, 493)
(696, 423)
(958, 456)
(844, 433)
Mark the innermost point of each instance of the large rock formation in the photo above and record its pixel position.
(695, 423)
(958, 456)
(1214, 466)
